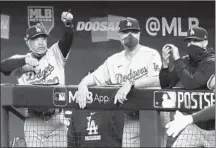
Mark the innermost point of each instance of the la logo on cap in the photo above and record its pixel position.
(129, 24)
(192, 32)
(38, 29)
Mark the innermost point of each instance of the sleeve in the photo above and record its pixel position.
(55, 52)
(204, 114)
(155, 65)
(168, 78)
(196, 79)
(101, 75)
(66, 41)
(12, 63)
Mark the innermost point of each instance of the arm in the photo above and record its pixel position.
(12, 63)
(153, 73)
(88, 81)
(204, 114)
(181, 121)
(168, 78)
(66, 40)
(148, 82)
(197, 79)
(99, 77)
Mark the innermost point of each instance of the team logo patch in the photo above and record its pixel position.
(129, 24)
(192, 32)
(60, 97)
(164, 99)
(42, 14)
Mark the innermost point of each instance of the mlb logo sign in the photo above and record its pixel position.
(165, 99)
(60, 97)
(42, 14)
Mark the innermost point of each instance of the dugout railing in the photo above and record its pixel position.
(150, 102)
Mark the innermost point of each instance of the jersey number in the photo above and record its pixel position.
(92, 128)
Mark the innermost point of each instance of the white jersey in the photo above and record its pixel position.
(49, 70)
(117, 69)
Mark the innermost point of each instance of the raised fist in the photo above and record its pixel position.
(30, 60)
(67, 18)
(174, 50)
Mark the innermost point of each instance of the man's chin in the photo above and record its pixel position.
(39, 55)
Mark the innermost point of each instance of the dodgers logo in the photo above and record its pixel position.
(164, 99)
(42, 14)
(60, 97)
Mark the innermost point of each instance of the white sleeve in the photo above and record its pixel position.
(56, 52)
(101, 75)
(155, 65)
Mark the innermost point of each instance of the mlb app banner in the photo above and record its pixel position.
(177, 99)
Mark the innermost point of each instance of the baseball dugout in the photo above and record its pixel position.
(154, 112)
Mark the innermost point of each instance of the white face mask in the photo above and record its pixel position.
(130, 39)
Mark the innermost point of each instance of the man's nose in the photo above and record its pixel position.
(41, 41)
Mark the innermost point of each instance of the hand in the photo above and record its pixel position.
(174, 50)
(165, 56)
(82, 95)
(122, 93)
(30, 60)
(67, 18)
(179, 123)
(28, 68)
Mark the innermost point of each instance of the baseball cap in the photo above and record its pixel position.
(197, 33)
(129, 24)
(34, 31)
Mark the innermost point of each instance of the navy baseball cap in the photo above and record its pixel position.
(35, 31)
(197, 33)
(129, 24)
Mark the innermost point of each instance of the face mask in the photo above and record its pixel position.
(130, 40)
(195, 52)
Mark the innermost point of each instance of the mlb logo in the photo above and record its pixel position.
(165, 99)
(60, 97)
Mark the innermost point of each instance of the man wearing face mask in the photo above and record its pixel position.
(137, 66)
(43, 127)
(191, 72)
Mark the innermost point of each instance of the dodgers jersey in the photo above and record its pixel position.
(49, 70)
(117, 69)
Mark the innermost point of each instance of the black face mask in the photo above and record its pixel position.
(196, 53)
(130, 41)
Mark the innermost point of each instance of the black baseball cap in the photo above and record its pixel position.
(35, 31)
(197, 33)
(129, 24)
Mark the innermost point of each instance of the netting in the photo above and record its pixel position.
(53, 132)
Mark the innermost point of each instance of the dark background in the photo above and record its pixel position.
(86, 55)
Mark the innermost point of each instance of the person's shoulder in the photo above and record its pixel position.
(19, 56)
(148, 50)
